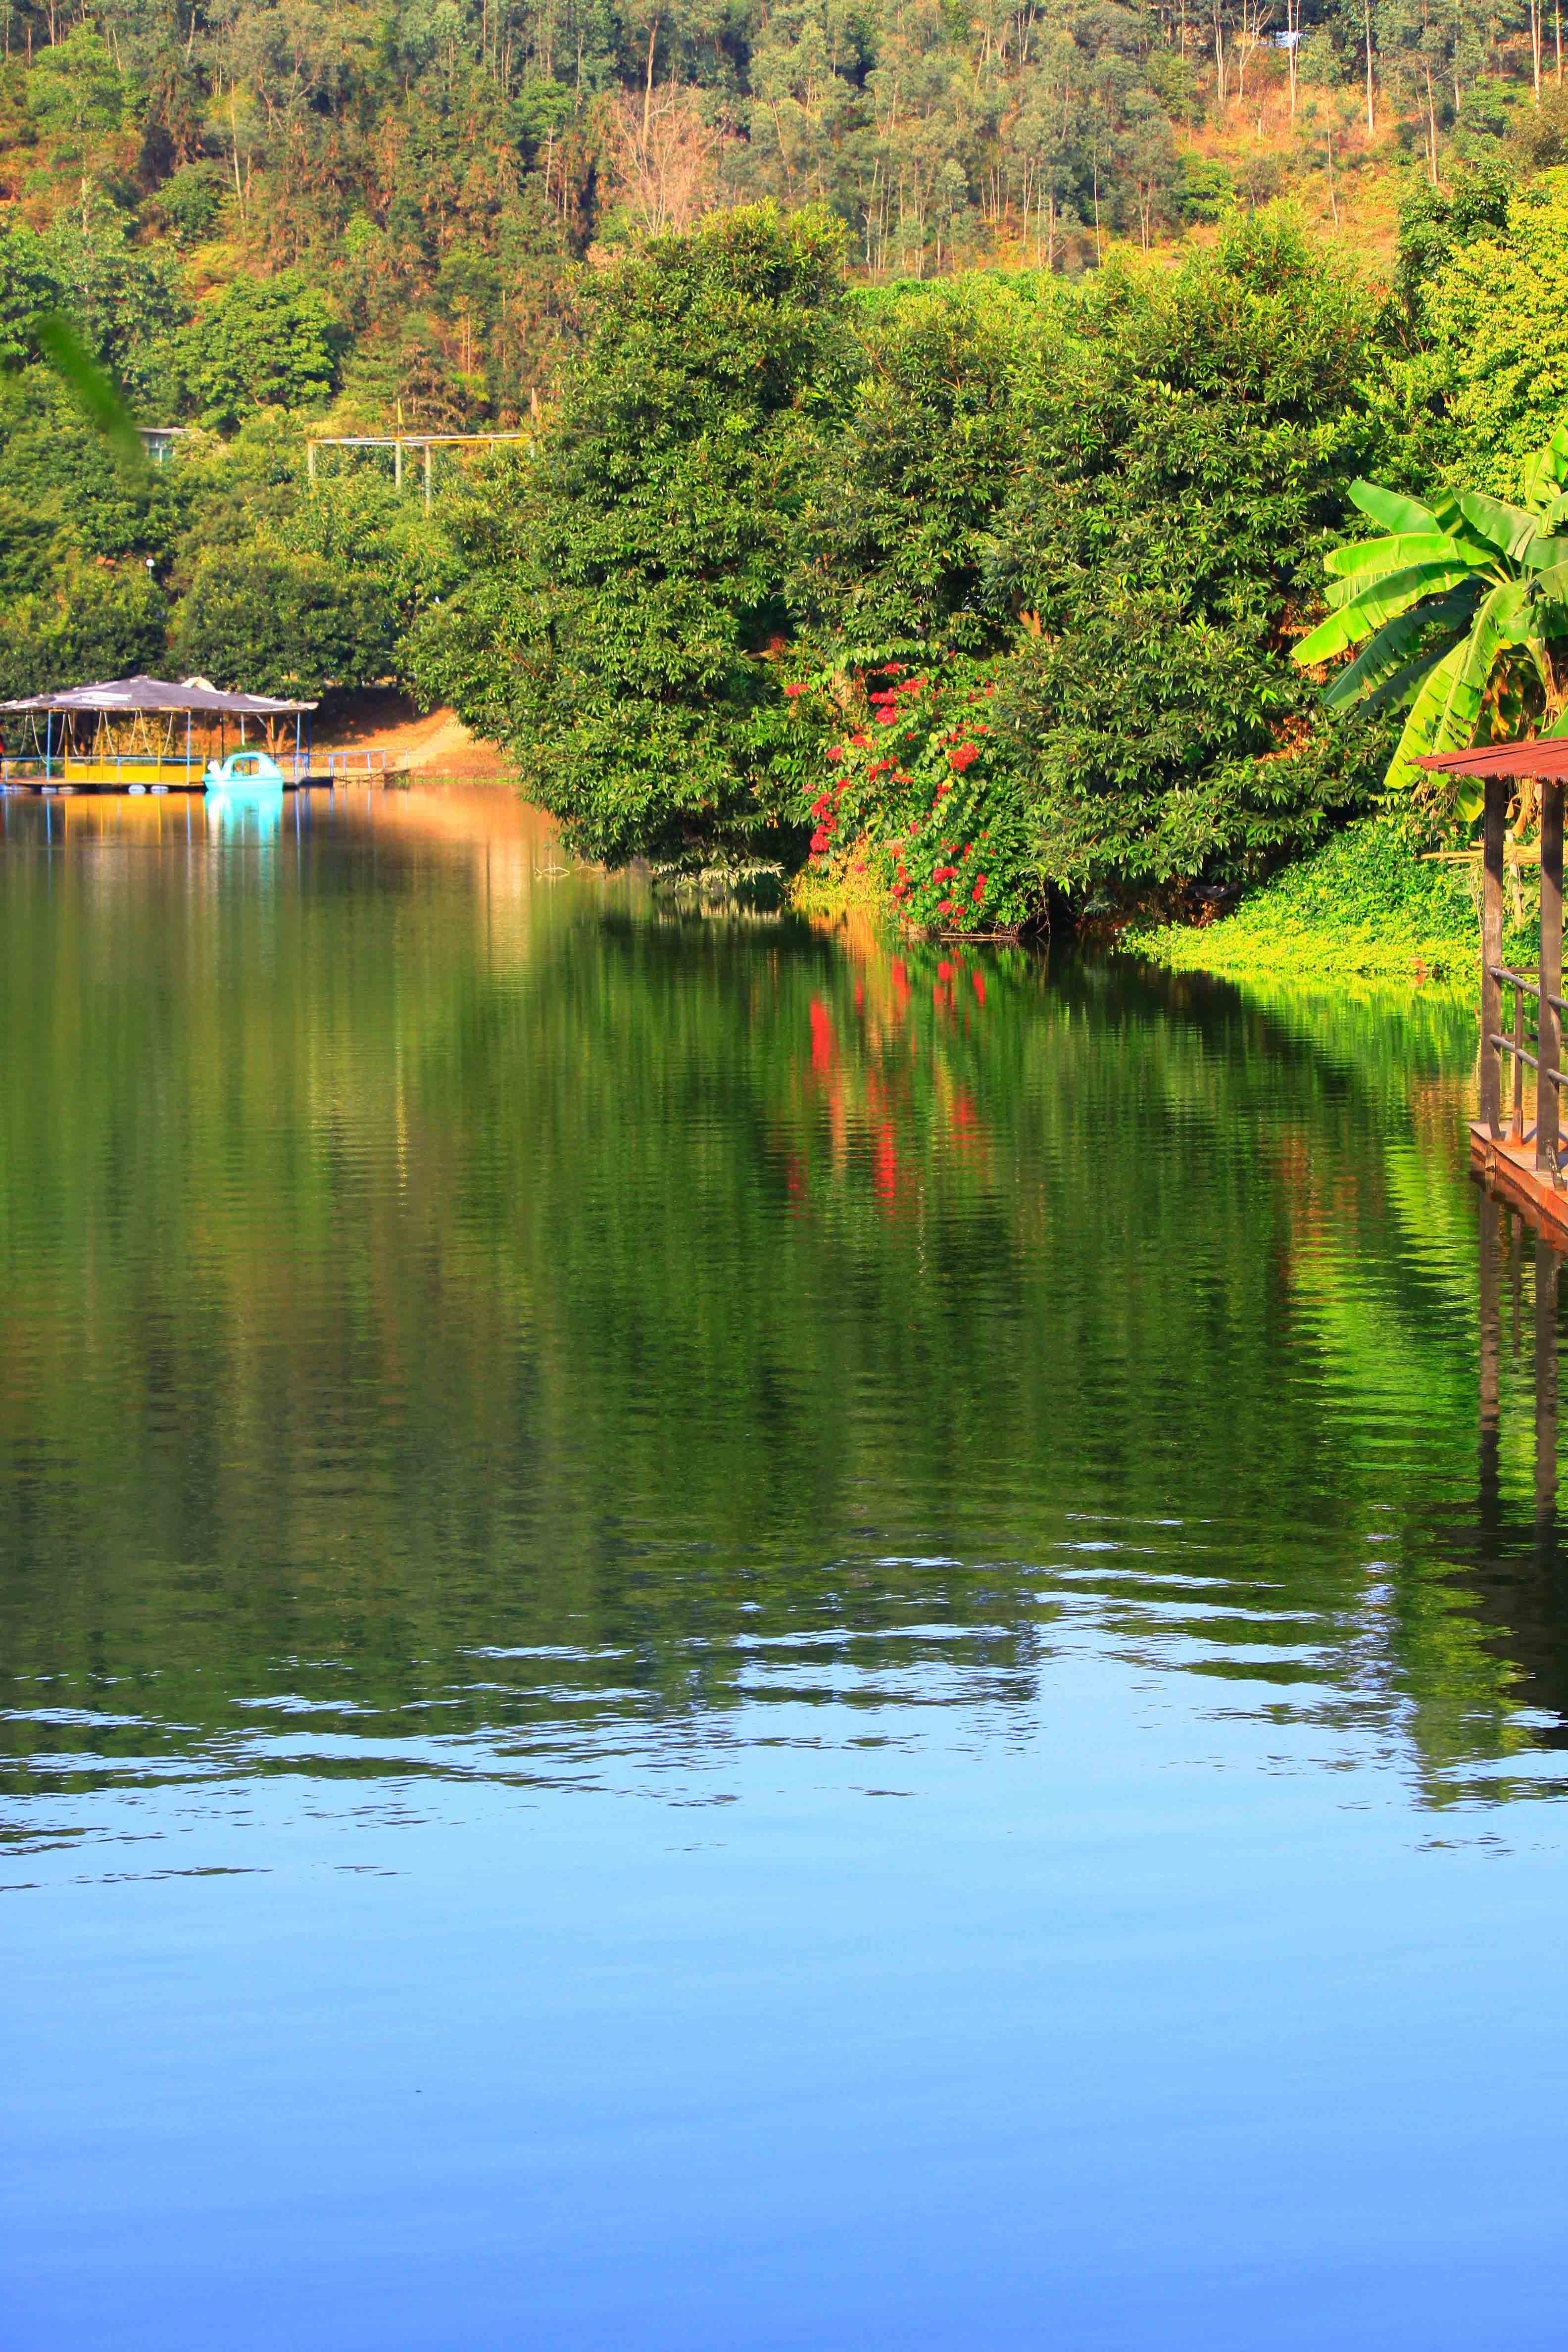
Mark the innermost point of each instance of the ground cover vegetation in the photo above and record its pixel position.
(1367, 906)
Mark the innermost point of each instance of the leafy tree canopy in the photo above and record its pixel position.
(269, 344)
(619, 623)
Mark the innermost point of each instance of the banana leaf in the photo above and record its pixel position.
(1402, 687)
(1377, 555)
(1510, 529)
(1381, 600)
(1392, 648)
(1446, 507)
(1390, 508)
(1546, 473)
(1447, 712)
(1551, 584)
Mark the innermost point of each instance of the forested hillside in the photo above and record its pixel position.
(256, 203)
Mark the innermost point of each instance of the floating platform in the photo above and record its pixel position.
(87, 777)
(1506, 1165)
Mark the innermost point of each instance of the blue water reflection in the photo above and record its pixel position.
(712, 1635)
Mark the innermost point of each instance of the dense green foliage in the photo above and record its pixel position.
(680, 615)
(247, 204)
(257, 203)
(221, 561)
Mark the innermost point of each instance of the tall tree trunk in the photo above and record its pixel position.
(1371, 115)
(647, 85)
(234, 150)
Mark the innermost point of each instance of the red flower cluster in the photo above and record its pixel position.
(793, 690)
(964, 756)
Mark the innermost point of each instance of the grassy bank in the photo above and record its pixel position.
(1364, 907)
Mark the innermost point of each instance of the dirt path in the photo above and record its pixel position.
(436, 743)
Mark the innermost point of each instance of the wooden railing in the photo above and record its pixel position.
(346, 763)
(1545, 989)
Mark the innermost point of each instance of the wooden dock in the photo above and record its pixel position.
(1522, 1164)
(1506, 1166)
(135, 772)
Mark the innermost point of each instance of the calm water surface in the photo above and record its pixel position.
(713, 1638)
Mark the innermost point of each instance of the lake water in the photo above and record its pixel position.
(715, 1637)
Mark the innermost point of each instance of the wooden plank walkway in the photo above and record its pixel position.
(1506, 1166)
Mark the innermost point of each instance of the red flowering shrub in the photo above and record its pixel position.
(917, 813)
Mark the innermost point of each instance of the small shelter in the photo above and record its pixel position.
(124, 732)
(1523, 1163)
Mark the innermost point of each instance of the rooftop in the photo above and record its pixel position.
(142, 693)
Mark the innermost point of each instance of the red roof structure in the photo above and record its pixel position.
(1544, 757)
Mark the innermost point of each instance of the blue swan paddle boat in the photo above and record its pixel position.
(244, 775)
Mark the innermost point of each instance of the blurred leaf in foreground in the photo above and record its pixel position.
(64, 351)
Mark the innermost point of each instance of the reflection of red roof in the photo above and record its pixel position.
(1546, 757)
(157, 694)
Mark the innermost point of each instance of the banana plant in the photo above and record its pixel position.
(1458, 602)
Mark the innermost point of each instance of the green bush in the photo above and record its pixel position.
(1114, 496)
(1496, 317)
(286, 624)
(1365, 906)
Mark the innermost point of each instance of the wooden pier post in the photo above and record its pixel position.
(1494, 826)
(1490, 1398)
(1548, 1266)
(1550, 1025)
